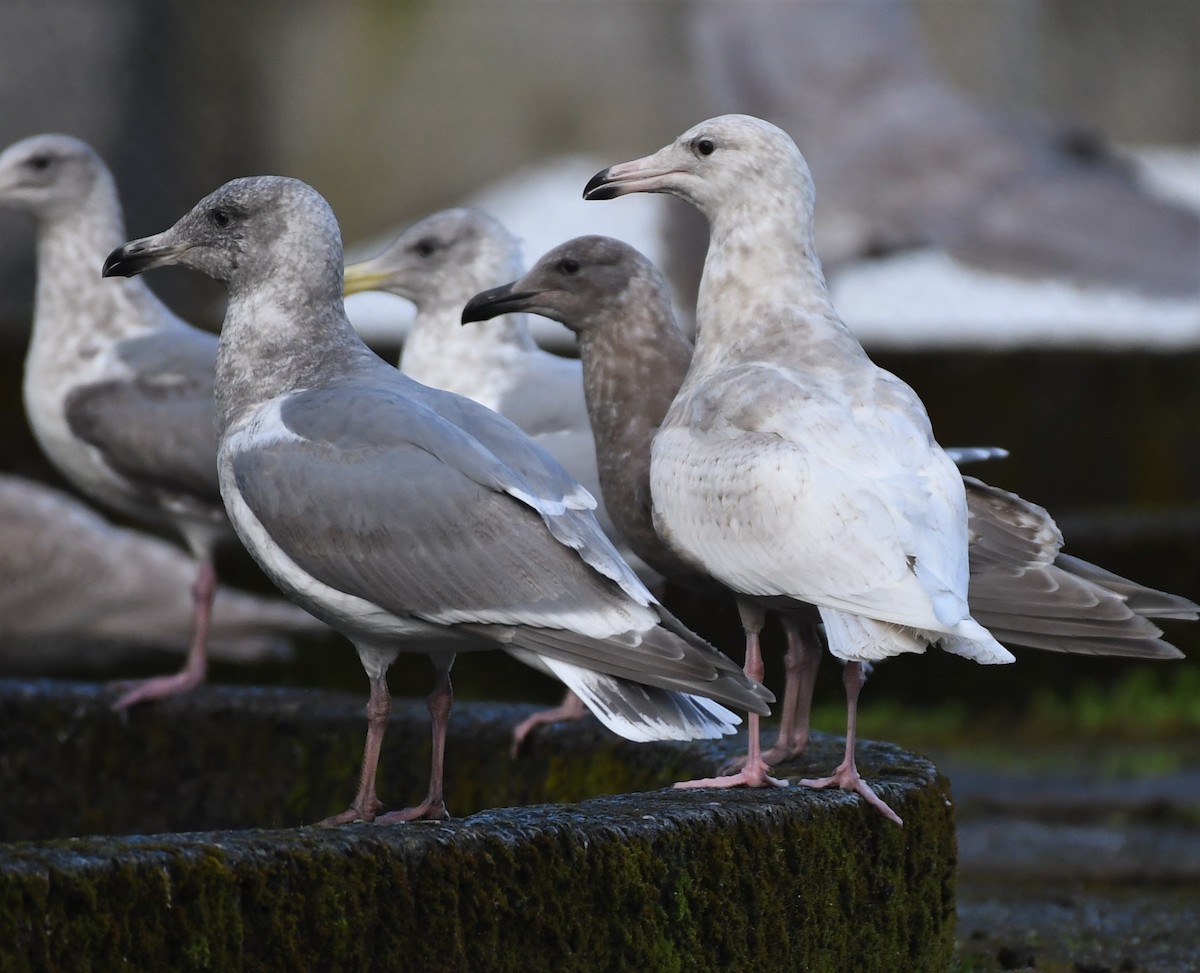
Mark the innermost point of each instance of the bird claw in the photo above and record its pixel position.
(753, 776)
(847, 778)
(778, 754)
(351, 814)
(425, 811)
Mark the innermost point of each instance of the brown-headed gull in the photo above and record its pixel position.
(635, 357)
(409, 518)
(79, 592)
(789, 465)
(118, 390)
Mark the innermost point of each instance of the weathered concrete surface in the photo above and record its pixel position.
(666, 880)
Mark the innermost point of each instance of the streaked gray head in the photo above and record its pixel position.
(580, 283)
(49, 175)
(727, 160)
(444, 258)
(252, 232)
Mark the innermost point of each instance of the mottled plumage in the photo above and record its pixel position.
(635, 357)
(439, 263)
(409, 518)
(118, 390)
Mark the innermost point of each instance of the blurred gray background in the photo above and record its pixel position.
(393, 109)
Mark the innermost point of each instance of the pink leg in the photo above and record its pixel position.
(571, 708)
(366, 804)
(801, 662)
(846, 776)
(754, 772)
(195, 667)
(433, 808)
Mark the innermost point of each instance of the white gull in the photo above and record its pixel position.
(789, 464)
(118, 390)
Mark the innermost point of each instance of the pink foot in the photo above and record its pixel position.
(752, 775)
(571, 708)
(159, 687)
(425, 811)
(846, 777)
(780, 753)
(352, 814)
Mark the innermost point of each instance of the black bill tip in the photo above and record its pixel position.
(127, 260)
(599, 187)
(492, 303)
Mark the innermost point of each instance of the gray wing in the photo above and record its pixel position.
(1025, 592)
(384, 498)
(158, 426)
(388, 501)
(538, 469)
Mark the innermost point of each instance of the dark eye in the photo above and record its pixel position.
(425, 247)
(569, 265)
(39, 162)
(220, 217)
(705, 146)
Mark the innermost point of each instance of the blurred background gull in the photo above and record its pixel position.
(1008, 200)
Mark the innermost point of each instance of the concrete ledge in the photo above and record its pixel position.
(668, 880)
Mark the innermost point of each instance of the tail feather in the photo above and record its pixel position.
(642, 713)
(1141, 599)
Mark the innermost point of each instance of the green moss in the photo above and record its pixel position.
(657, 879)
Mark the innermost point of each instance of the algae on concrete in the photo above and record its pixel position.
(660, 880)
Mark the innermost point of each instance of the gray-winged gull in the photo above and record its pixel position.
(118, 390)
(77, 591)
(439, 263)
(409, 518)
(635, 357)
(789, 464)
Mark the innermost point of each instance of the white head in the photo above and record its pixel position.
(729, 161)
(444, 258)
(50, 175)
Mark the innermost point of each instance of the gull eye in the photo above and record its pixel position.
(220, 217)
(569, 265)
(425, 247)
(39, 163)
(705, 146)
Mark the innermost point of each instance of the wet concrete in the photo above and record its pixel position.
(1077, 872)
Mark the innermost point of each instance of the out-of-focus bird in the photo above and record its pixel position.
(906, 160)
(409, 518)
(118, 390)
(439, 263)
(77, 592)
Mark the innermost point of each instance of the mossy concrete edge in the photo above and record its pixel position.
(663, 880)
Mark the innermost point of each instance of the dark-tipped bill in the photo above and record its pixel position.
(639, 176)
(492, 303)
(138, 255)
